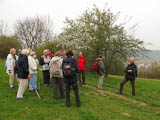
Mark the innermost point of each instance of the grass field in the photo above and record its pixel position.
(96, 105)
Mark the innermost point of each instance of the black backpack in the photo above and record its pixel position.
(68, 70)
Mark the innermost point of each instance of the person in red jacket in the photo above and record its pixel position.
(82, 61)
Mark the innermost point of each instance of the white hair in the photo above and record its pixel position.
(45, 51)
(25, 52)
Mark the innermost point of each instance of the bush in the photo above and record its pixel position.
(6, 44)
(152, 71)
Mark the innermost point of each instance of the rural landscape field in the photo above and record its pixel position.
(96, 105)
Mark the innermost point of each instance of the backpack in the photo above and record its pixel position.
(95, 66)
(69, 70)
(55, 69)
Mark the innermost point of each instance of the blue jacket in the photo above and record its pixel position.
(70, 59)
(23, 67)
(131, 75)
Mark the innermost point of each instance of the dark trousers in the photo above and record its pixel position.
(46, 77)
(124, 81)
(58, 83)
(75, 88)
(82, 73)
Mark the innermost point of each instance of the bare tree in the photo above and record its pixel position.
(3, 28)
(34, 32)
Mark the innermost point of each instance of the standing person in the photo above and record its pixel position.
(101, 71)
(131, 74)
(19, 52)
(81, 61)
(11, 62)
(70, 70)
(44, 61)
(56, 75)
(33, 68)
(23, 73)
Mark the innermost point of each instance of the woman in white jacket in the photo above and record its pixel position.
(33, 68)
(12, 58)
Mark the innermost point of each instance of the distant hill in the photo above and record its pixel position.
(154, 55)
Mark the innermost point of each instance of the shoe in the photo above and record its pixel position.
(45, 85)
(20, 98)
(100, 88)
(68, 105)
(13, 88)
(78, 105)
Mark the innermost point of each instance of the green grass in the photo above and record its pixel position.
(95, 106)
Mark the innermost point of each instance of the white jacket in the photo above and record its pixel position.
(60, 60)
(33, 65)
(11, 63)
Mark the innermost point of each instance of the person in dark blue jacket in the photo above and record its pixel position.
(71, 81)
(131, 74)
(23, 73)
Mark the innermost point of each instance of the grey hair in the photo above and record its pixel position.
(45, 51)
(25, 52)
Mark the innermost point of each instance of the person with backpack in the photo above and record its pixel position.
(131, 74)
(44, 62)
(100, 68)
(33, 69)
(12, 67)
(81, 61)
(70, 70)
(23, 73)
(56, 75)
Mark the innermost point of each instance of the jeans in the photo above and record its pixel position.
(33, 82)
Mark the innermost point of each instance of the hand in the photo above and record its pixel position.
(29, 76)
(46, 62)
(130, 70)
(42, 57)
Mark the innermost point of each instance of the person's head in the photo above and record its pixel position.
(58, 53)
(25, 52)
(101, 57)
(63, 53)
(13, 51)
(32, 53)
(80, 54)
(69, 53)
(45, 52)
(30, 50)
(19, 51)
(131, 60)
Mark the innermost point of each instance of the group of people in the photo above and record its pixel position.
(61, 70)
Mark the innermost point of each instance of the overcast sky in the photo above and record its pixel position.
(144, 12)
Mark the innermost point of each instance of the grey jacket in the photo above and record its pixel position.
(101, 67)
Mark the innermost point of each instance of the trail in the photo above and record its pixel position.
(130, 100)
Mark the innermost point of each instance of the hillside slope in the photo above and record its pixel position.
(96, 105)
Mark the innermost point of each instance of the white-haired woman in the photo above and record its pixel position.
(45, 60)
(23, 73)
(33, 68)
(11, 62)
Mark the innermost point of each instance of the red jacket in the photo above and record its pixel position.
(81, 61)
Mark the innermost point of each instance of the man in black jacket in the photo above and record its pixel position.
(131, 74)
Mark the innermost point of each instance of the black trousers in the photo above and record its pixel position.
(82, 73)
(46, 77)
(58, 83)
(124, 81)
(75, 88)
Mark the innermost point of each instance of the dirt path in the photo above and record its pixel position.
(130, 100)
